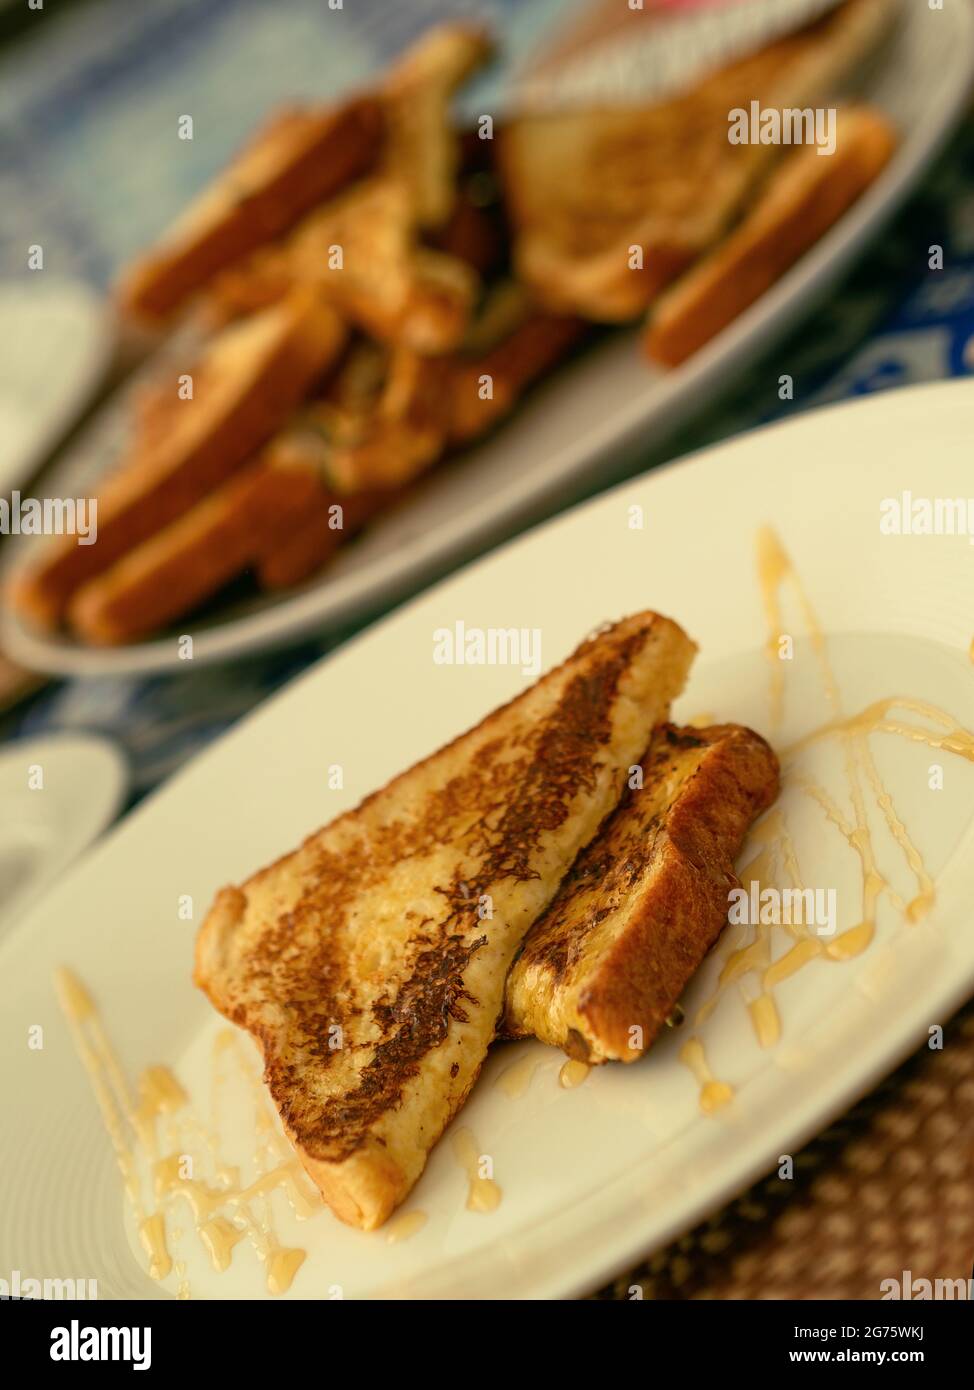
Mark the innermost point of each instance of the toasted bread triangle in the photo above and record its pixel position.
(299, 157)
(586, 186)
(603, 968)
(246, 384)
(370, 963)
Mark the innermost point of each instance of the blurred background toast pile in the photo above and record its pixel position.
(373, 284)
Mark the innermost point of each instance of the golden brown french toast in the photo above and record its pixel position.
(313, 541)
(311, 441)
(430, 405)
(189, 560)
(370, 963)
(532, 343)
(244, 387)
(603, 968)
(802, 199)
(298, 158)
(385, 283)
(586, 186)
(386, 280)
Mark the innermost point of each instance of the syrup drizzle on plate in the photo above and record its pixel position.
(754, 966)
(483, 1194)
(160, 1135)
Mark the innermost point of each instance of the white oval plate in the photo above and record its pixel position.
(561, 440)
(57, 795)
(594, 1177)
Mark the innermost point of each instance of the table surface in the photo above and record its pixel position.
(77, 93)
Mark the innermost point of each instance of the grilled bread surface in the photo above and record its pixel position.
(603, 968)
(300, 156)
(585, 187)
(803, 198)
(176, 569)
(245, 386)
(370, 963)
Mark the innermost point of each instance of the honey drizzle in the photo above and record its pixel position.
(222, 1211)
(713, 1094)
(752, 961)
(483, 1193)
(573, 1074)
(280, 1264)
(515, 1080)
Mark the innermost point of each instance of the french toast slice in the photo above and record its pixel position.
(312, 543)
(370, 963)
(188, 561)
(587, 186)
(244, 387)
(331, 517)
(533, 341)
(370, 450)
(804, 196)
(428, 406)
(300, 157)
(603, 968)
(385, 283)
(388, 281)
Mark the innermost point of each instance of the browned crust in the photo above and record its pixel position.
(298, 556)
(643, 977)
(574, 254)
(318, 152)
(807, 195)
(533, 346)
(405, 433)
(584, 188)
(629, 635)
(159, 487)
(300, 553)
(175, 570)
(578, 735)
(680, 872)
(371, 1185)
(426, 407)
(261, 279)
(472, 234)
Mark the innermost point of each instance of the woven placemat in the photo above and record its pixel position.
(887, 1189)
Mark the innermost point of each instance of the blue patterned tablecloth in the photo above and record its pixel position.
(87, 167)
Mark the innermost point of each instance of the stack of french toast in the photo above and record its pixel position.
(373, 287)
(560, 871)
